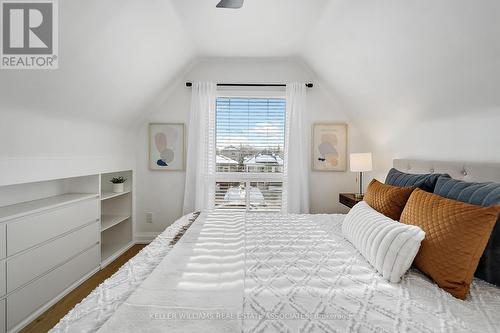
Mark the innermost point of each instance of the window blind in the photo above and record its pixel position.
(250, 146)
(251, 196)
(250, 134)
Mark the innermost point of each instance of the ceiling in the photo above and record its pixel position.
(115, 57)
(383, 59)
(396, 62)
(270, 28)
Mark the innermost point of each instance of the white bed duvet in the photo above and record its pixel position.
(254, 272)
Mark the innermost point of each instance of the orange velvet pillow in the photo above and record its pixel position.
(456, 234)
(387, 199)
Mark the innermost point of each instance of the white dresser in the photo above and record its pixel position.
(47, 246)
(54, 235)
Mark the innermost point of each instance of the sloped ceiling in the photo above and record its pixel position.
(395, 63)
(115, 56)
(388, 61)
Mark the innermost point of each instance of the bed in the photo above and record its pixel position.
(255, 272)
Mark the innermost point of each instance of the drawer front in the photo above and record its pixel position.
(24, 302)
(3, 240)
(35, 229)
(29, 265)
(2, 278)
(2, 316)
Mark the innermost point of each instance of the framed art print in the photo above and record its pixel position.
(329, 150)
(166, 147)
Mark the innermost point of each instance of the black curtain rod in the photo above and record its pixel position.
(308, 85)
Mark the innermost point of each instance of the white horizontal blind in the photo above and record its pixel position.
(230, 195)
(250, 134)
(249, 195)
(250, 142)
(267, 196)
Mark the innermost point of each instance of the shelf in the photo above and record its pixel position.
(109, 195)
(35, 206)
(116, 217)
(108, 221)
(110, 251)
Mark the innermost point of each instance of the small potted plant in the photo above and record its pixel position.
(118, 184)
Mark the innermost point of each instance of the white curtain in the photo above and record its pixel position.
(296, 153)
(200, 168)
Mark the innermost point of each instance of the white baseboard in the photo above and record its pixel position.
(145, 237)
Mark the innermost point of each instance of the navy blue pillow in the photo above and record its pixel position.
(425, 182)
(482, 194)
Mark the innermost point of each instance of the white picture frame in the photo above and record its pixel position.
(167, 150)
(329, 147)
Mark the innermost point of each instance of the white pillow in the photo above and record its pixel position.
(388, 245)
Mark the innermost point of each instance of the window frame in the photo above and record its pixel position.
(252, 177)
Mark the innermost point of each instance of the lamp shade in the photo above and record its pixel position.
(361, 162)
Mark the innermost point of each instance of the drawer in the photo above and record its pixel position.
(35, 229)
(3, 240)
(24, 302)
(2, 316)
(25, 267)
(2, 278)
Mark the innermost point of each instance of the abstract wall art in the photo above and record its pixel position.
(329, 150)
(166, 147)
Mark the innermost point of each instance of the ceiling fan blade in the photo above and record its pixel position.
(233, 4)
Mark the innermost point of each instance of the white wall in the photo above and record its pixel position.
(162, 192)
(474, 137)
(35, 147)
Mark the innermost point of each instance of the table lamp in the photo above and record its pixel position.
(360, 162)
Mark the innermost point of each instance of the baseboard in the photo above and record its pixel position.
(145, 237)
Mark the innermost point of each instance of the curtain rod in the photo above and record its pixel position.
(308, 85)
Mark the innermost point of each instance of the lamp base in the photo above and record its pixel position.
(359, 195)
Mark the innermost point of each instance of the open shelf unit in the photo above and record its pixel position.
(34, 206)
(24, 199)
(116, 217)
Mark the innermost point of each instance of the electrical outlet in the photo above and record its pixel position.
(149, 217)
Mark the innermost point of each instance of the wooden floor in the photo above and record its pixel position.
(51, 317)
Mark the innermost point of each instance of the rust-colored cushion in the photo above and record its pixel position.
(387, 199)
(456, 234)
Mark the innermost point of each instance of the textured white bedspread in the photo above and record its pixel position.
(202, 275)
(90, 314)
(235, 272)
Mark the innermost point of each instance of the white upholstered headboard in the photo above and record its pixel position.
(468, 171)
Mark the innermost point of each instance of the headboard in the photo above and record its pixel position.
(489, 265)
(468, 171)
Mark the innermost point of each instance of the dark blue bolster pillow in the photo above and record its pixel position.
(425, 182)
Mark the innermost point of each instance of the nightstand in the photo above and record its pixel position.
(349, 199)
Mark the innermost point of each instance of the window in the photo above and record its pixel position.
(250, 146)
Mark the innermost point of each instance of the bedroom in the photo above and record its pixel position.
(148, 113)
